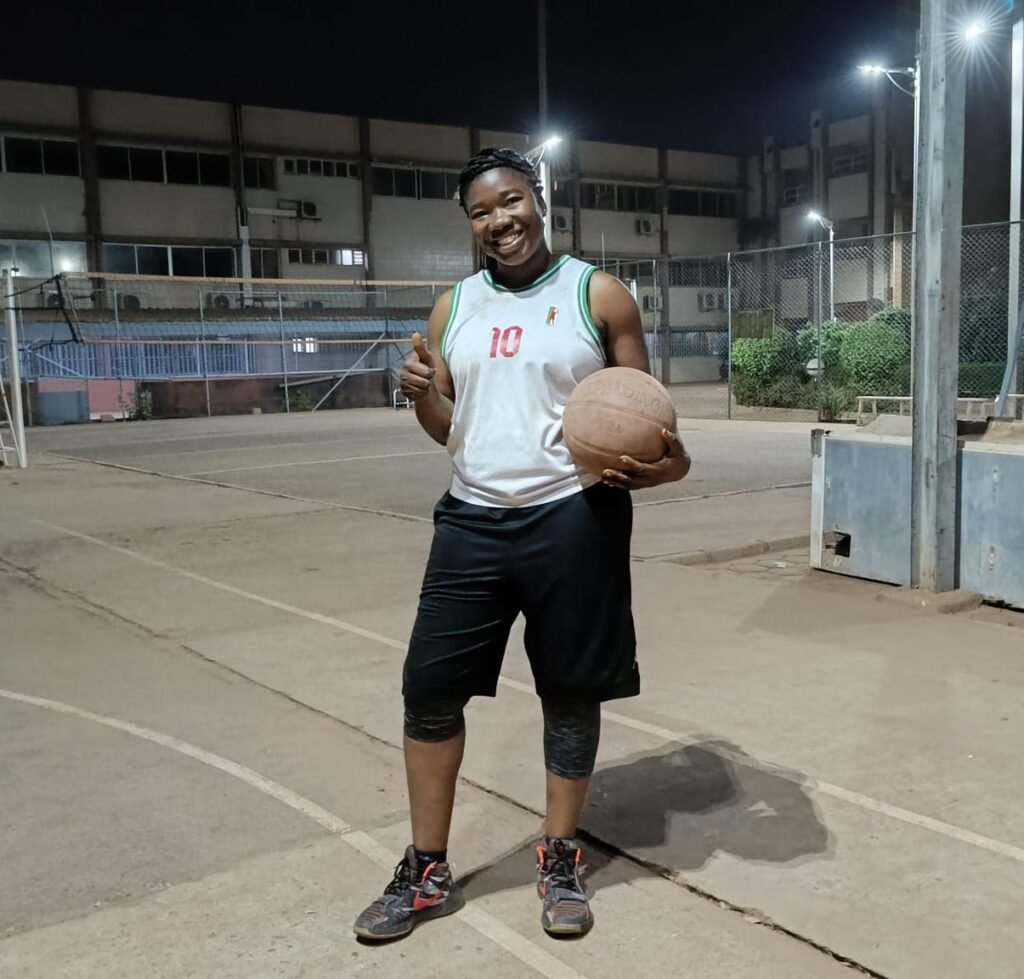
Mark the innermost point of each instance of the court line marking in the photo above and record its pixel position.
(264, 446)
(479, 920)
(715, 496)
(315, 462)
(661, 733)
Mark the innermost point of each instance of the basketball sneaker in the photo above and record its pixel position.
(566, 911)
(409, 899)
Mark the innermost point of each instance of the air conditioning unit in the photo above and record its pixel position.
(313, 304)
(218, 300)
(307, 209)
(562, 222)
(130, 301)
(652, 302)
(708, 301)
(646, 226)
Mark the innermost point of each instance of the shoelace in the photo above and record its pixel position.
(561, 869)
(402, 880)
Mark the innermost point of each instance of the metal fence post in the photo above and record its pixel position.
(205, 365)
(818, 376)
(14, 370)
(284, 358)
(728, 338)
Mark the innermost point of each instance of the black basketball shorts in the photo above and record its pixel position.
(563, 565)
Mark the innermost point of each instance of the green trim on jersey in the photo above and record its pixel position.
(456, 292)
(583, 295)
(532, 285)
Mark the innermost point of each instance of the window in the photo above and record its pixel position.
(560, 195)
(152, 259)
(405, 183)
(597, 197)
(40, 260)
(182, 168)
(219, 262)
(265, 263)
(433, 185)
(119, 258)
(849, 161)
(307, 345)
(643, 200)
(146, 164)
(214, 170)
(112, 163)
(305, 166)
(384, 181)
(23, 155)
(187, 261)
(324, 256)
(60, 158)
(163, 166)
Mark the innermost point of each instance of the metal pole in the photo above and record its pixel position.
(728, 327)
(542, 66)
(545, 181)
(662, 320)
(206, 365)
(1016, 148)
(937, 307)
(284, 359)
(118, 356)
(817, 328)
(14, 370)
(831, 279)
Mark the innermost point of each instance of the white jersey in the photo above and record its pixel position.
(515, 356)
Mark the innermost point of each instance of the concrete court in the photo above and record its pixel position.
(199, 764)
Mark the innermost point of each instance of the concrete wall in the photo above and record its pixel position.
(301, 133)
(339, 210)
(413, 142)
(702, 168)
(420, 240)
(618, 160)
(620, 235)
(702, 236)
(127, 113)
(848, 197)
(166, 211)
(795, 158)
(38, 105)
(850, 132)
(24, 195)
(794, 228)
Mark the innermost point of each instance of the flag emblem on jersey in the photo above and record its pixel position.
(552, 316)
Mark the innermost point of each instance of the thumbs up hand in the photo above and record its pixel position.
(418, 371)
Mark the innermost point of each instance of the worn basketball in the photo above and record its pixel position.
(614, 412)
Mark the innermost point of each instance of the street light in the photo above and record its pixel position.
(830, 227)
(537, 157)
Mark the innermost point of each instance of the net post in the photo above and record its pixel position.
(284, 358)
(206, 364)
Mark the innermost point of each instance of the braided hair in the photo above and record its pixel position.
(490, 158)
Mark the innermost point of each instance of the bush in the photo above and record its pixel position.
(748, 390)
(765, 358)
(981, 380)
(871, 357)
(832, 334)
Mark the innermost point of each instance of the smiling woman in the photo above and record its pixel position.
(521, 530)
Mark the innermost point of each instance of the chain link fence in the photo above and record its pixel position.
(821, 330)
(139, 347)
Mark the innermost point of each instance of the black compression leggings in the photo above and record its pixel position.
(571, 731)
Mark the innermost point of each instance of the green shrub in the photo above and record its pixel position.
(871, 356)
(747, 390)
(832, 334)
(764, 358)
(981, 380)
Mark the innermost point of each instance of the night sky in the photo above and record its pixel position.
(707, 76)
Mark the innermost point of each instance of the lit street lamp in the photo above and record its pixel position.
(537, 157)
(830, 227)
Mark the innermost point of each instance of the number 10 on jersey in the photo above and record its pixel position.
(506, 342)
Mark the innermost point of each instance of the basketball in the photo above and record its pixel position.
(614, 412)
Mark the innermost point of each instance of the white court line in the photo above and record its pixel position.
(315, 462)
(507, 938)
(664, 734)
